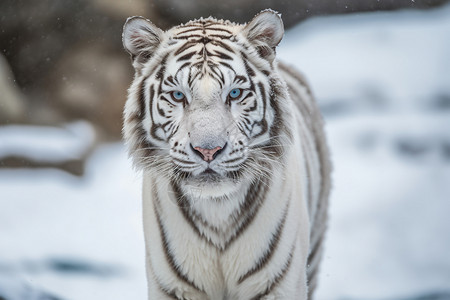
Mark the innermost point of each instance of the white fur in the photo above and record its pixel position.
(212, 260)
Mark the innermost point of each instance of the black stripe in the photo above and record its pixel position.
(186, 56)
(186, 64)
(278, 125)
(160, 110)
(255, 103)
(274, 148)
(162, 69)
(218, 75)
(174, 130)
(185, 46)
(247, 125)
(222, 55)
(153, 126)
(220, 36)
(223, 45)
(165, 290)
(199, 219)
(191, 79)
(242, 130)
(218, 29)
(315, 254)
(301, 105)
(306, 143)
(240, 79)
(268, 253)
(232, 160)
(228, 66)
(166, 246)
(191, 216)
(205, 40)
(188, 36)
(172, 295)
(248, 68)
(166, 126)
(317, 129)
(185, 207)
(206, 52)
(191, 29)
(183, 161)
(142, 145)
(141, 100)
(279, 277)
(266, 72)
(172, 80)
(163, 98)
(246, 213)
(297, 76)
(248, 210)
(263, 122)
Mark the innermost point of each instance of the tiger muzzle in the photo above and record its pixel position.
(208, 155)
(208, 133)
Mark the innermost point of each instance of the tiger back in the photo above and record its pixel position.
(236, 173)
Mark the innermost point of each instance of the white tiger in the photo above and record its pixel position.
(234, 160)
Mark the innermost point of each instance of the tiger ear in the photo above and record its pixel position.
(265, 32)
(140, 38)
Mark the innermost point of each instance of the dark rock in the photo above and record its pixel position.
(81, 267)
(336, 107)
(412, 147)
(48, 45)
(74, 167)
(441, 102)
(75, 142)
(445, 146)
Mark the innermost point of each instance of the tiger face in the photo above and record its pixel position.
(206, 108)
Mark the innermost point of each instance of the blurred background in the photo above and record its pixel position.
(70, 217)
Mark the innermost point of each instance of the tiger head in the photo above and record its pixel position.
(207, 108)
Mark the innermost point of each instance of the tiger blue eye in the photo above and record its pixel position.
(177, 95)
(235, 93)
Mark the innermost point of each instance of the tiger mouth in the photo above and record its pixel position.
(209, 175)
(209, 172)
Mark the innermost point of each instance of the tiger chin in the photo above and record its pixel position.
(235, 165)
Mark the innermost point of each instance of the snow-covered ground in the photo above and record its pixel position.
(383, 83)
(46, 143)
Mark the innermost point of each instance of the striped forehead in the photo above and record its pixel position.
(204, 48)
(203, 40)
(205, 30)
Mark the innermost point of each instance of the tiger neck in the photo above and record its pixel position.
(219, 220)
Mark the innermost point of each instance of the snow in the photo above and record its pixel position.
(403, 54)
(382, 80)
(46, 143)
(389, 226)
(48, 215)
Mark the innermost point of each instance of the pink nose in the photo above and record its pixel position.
(208, 154)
